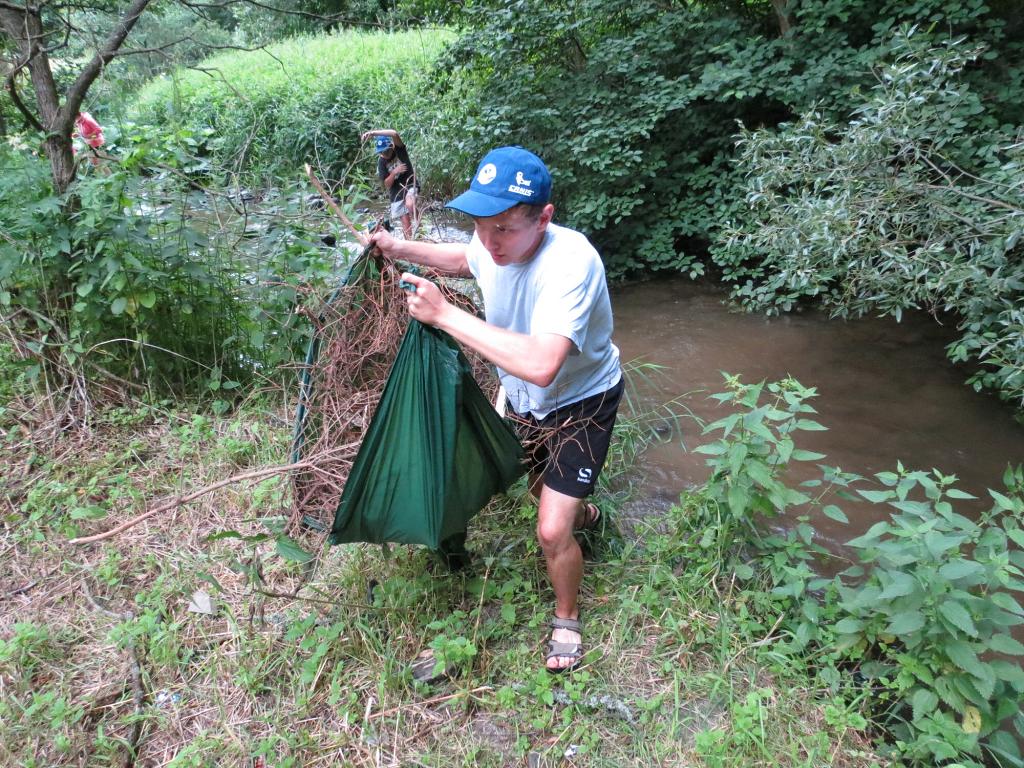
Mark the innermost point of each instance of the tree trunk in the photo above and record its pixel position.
(782, 14)
(24, 26)
(62, 161)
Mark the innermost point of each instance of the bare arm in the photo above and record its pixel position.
(389, 179)
(392, 134)
(446, 257)
(536, 359)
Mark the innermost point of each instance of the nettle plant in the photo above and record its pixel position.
(142, 271)
(749, 459)
(929, 613)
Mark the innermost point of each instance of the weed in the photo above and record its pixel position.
(929, 610)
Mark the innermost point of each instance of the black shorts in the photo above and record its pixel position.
(567, 448)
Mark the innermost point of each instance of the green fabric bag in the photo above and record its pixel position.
(434, 454)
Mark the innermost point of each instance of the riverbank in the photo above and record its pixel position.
(201, 649)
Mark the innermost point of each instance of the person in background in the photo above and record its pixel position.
(397, 175)
(548, 330)
(91, 132)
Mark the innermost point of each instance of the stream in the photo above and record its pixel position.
(886, 391)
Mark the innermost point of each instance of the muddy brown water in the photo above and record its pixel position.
(886, 391)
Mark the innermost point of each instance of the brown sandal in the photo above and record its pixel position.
(572, 651)
(591, 517)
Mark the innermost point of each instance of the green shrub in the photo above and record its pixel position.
(634, 103)
(930, 609)
(749, 460)
(925, 618)
(304, 100)
(122, 275)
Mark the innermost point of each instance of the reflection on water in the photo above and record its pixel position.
(886, 390)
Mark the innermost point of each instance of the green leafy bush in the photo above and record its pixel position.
(634, 103)
(924, 619)
(905, 207)
(930, 609)
(749, 459)
(131, 273)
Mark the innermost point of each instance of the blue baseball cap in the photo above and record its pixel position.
(382, 144)
(505, 177)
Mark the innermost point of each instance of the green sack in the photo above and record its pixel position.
(434, 454)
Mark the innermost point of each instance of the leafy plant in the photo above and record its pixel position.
(124, 277)
(748, 460)
(929, 611)
(925, 617)
(453, 651)
(634, 102)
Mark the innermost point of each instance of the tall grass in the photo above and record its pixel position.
(307, 99)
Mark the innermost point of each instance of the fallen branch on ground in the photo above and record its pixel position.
(428, 702)
(255, 474)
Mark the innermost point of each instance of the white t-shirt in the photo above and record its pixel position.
(561, 290)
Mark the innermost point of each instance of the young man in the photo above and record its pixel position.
(548, 331)
(396, 174)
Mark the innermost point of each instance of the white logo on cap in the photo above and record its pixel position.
(487, 174)
(520, 180)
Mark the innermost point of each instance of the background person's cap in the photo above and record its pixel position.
(505, 177)
(382, 144)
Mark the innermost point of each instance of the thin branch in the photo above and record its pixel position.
(255, 474)
(362, 238)
(326, 19)
(287, 596)
(76, 93)
(122, 52)
(428, 702)
(969, 196)
(12, 90)
(138, 702)
(135, 677)
(68, 29)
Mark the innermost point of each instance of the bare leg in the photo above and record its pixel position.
(556, 517)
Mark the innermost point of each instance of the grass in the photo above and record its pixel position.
(303, 664)
(307, 99)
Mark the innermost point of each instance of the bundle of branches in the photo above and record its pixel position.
(357, 334)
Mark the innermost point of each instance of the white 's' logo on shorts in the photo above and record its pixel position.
(520, 180)
(584, 475)
(487, 174)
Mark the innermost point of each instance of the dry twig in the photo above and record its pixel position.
(361, 237)
(255, 474)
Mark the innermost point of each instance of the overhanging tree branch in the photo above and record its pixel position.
(329, 18)
(12, 89)
(76, 93)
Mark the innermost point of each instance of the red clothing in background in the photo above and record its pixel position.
(88, 130)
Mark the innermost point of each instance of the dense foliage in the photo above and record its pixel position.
(902, 208)
(303, 100)
(142, 274)
(635, 103)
